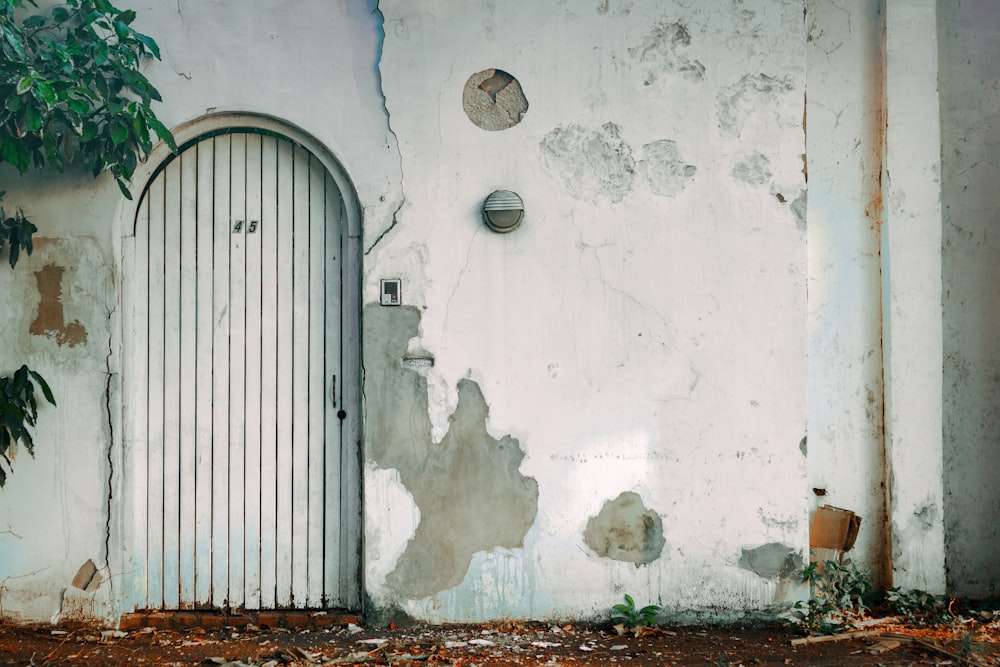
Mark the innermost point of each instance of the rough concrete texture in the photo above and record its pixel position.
(772, 560)
(625, 530)
(493, 100)
(600, 161)
(468, 489)
(664, 51)
(970, 79)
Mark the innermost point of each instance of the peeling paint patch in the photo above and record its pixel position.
(51, 321)
(625, 530)
(754, 169)
(494, 100)
(468, 488)
(800, 208)
(663, 168)
(746, 98)
(664, 51)
(591, 163)
(772, 561)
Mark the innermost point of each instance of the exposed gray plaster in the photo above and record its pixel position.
(468, 488)
(754, 169)
(747, 97)
(664, 51)
(494, 100)
(799, 207)
(772, 560)
(590, 163)
(664, 170)
(625, 530)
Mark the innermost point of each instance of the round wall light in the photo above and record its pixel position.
(503, 211)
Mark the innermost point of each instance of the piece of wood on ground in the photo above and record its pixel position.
(884, 646)
(817, 639)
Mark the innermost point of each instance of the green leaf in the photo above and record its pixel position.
(13, 103)
(32, 119)
(162, 132)
(119, 131)
(24, 85)
(89, 131)
(34, 22)
(149, 43)
(14, 152)
(123, 186)
(77, 105)
(44, 386)
(46, 93)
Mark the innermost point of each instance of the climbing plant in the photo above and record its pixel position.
(71, 93)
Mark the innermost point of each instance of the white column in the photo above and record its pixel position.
(912, 316)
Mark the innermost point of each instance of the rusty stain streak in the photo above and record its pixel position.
(51, 320)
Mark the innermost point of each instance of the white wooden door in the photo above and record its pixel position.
(233, 383)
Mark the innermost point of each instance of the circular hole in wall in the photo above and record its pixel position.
(493, 100)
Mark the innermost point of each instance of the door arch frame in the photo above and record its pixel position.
(118, 530)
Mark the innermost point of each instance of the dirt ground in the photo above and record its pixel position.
(965, 641)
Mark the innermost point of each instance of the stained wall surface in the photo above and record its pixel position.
(644, 327)
(969, 35)
(611, 398)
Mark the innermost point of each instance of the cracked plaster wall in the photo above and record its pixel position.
(969, 35)
(644, 331)
(57, 305)
(844, 143)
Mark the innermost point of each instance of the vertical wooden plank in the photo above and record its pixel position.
(187, 385)
(266, 237)
(203, 375)
(171, 385)
(350, 428)
(314, 195)
(286, 274)
(135, 395)
(333, 511)
(221, 314)
(154, 422)
(237, 379)
(252, 396)
(298, 171)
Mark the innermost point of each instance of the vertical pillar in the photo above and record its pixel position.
(912, 314)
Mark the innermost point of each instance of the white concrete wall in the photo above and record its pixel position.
(630, 337)
(645, 331)
(969, 35)
(844, 144)
(912, 297)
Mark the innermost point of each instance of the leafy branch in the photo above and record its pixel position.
(18, 412)
(72, 89)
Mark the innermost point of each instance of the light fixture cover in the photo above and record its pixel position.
(503, 211)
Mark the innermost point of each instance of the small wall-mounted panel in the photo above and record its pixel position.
(391, 291)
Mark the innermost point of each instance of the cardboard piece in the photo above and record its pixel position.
(833, 532)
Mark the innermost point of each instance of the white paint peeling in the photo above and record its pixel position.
(645, 330)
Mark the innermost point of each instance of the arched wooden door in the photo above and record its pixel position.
(240, 478)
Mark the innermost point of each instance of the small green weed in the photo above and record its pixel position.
(632, 617)
(919, 607)
(839, 594)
